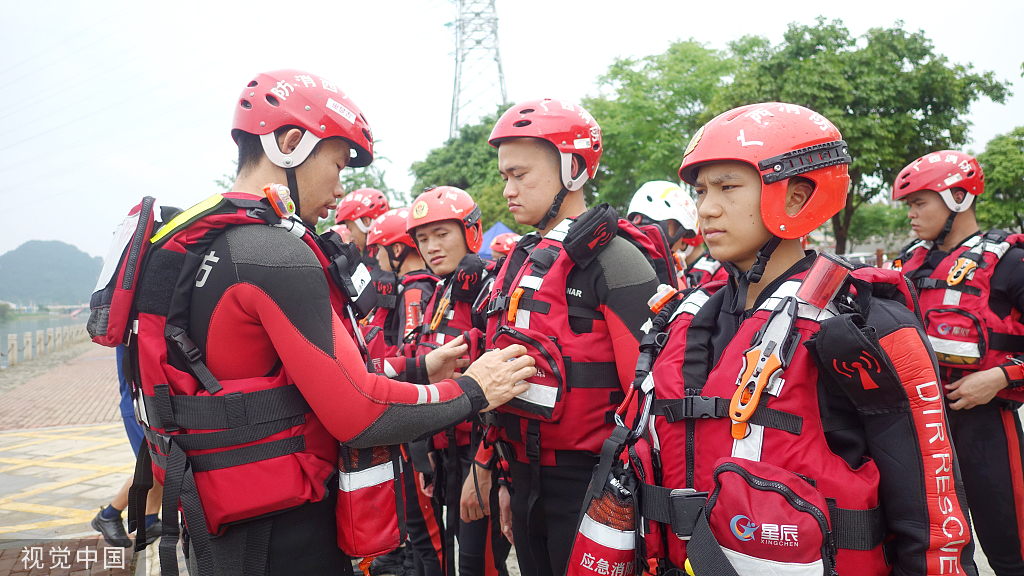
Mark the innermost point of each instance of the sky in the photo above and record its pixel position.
(108, 101)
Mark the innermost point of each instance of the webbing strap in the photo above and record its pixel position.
(534, 305)
(591, 375)
(857, 529)
(693, 407)
(180, 486)
(705, 553)
(387, 300)
(929, 283)
(452, 494)
(1005, 342)
(236, 456)
(192, 356)
(223, 438)
(142, 483)
(677, 509)
(229, 411)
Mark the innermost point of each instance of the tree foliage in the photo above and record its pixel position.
(1002, 204)
(470, 163)
(648, 109)
(890, 94)
(879, 222)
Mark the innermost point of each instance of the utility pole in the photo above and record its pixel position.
(479, 79)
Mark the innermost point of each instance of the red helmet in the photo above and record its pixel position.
(296, 98)
(448, 203)
(363, 202)
(566, 125)
(780, 141)
(505, 242)
(941, 172)
(390, 228)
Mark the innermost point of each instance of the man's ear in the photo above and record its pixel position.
(288, 141)
(797, 192)
(575, 167)
(398, 249)
(959, 194)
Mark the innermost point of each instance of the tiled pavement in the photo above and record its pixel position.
(63, 455)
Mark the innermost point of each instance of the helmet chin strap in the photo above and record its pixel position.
(556, 205)
(753, 275)
(396, 261)
(293, 187)
(946, 228)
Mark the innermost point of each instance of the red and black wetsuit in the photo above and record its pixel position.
(264, 303)
(988, 438)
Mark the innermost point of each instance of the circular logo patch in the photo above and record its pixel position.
(945, 329)
(742, 527)
(419, 210)
(693, 142)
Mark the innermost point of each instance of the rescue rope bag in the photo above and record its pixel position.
(208, 437)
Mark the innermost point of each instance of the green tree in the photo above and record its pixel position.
(879, 222)
(648, 109)
(1002, 204)
(890, 94)
(470, 163)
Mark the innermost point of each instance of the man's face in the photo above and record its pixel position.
(729, 208)
(382, 259)
(529, 167)
(318, 180)
(358, 236)
(927, 213)
(442, 245)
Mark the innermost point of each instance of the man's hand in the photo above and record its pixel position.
(427, 489)
(505, 504)
(441, 363)
(469, 504)
(502, 374)
(976, 388)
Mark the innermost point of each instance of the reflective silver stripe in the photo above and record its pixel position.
(540, 395)
(804, 310)
(707, 265)
(951, 297)
(379, 474)
(559, 232)
(749, 448)
(692, 303)
(531, 282)
(605, 535)
(389, 371)
(422, 396)
(955, 347)
(746, 565)
(522, 318)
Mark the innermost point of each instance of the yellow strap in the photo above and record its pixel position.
(185, 218)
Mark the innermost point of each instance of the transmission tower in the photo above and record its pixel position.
(479, 79)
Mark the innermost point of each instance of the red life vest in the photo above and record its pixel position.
(691, 431)
(965, 333)
(706, 269)
(209, 437)
(387, 330)
(577, 379)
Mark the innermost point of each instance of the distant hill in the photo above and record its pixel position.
(48, 272)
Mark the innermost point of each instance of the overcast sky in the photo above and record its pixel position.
(107, 101)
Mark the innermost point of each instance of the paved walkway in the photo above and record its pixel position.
(63, 455)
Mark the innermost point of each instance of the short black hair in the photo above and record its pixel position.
(250, 149)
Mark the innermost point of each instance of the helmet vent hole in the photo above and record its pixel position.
(596, 146)
(649, 199)
(526, 111)
(970, 174)
(272, 100)
(904, 185)
(667, 205)
(246, 104)
(366, 134)
(522, 123)
(253, 83)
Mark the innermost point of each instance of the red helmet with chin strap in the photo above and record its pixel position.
(390, 228)
(280, 98)
(448, 203)
(567, 126)
(780, 141)
(505, 242)
(942, 172)
(367, 202)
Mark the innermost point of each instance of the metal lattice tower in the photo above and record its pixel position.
(479, 79)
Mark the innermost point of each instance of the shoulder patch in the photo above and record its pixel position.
(263, 245)
(624, 265)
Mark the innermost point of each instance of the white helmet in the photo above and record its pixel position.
(659, 201)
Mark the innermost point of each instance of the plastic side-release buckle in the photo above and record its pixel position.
(187, 346)
(685, 507)
(533, 445)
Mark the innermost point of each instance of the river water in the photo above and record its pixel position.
(19, 326)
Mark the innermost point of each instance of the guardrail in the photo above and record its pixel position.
(45, 342)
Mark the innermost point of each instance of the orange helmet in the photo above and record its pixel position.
(941, 172)
(448, 203)
(780, 141)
